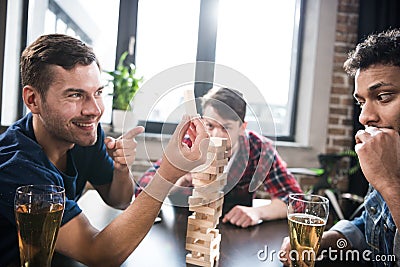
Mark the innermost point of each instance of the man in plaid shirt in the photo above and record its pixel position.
(253, 161)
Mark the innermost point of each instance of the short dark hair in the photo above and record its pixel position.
(382, 48)
(224, 101)
(48, 50)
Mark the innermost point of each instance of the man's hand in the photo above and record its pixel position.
(329, 240)
(123, 149)
(179, 158)
(378, 150)
(242, 216)
(183, 182)
(285, 247)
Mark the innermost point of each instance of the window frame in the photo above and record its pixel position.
(206, 49)
(63, 16)
(206, 52)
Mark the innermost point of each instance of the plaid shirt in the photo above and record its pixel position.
(256, 163)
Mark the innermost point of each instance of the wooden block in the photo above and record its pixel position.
(222, 177)
(199, 182)
(216, 204)
(195, 201)
(193, 228)
(212, 203)
(216, 149)
(210, 163)
(208, 197)
(219, 162)
(203, 176)
(200, 216)
(214, 254)
(210, 169)
(203, 209)
(200, 236)
(217, 178)
(213, 187)
(201, 223)
(218, 141)
(215, 170)
(216, 155)
(198, 261)
(206, 247)
(208, 236)
(190, 104)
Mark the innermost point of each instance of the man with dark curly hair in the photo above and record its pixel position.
(375, 65)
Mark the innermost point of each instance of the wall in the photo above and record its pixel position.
(339, 107)
(340, 127)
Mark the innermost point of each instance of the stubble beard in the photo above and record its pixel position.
(61, 129)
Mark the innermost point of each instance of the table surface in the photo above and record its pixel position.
(164, 245)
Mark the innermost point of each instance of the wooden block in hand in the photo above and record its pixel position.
(190, 104)
(203, 176)
(218, 141)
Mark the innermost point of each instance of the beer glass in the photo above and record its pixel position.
(38, 213)
(307, 215)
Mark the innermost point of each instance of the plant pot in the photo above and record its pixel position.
(122, 121)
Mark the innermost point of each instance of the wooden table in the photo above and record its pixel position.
(164, 245)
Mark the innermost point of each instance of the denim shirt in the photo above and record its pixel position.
(374, 231)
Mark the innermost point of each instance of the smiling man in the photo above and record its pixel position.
(61, 142)
(252, 157)
(375, 64)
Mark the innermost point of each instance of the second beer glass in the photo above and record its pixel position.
(307, 217)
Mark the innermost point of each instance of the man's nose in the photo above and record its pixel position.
(218, 132)
(92, 106)
(368, 115)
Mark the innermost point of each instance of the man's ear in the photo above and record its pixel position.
(31, 98)
(243, 127)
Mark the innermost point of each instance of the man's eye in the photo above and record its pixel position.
(359, 103)
(384, 97)
(75, 95)
(99, 93)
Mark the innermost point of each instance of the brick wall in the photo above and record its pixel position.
(340, 128)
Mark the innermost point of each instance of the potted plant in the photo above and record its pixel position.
(125, 83)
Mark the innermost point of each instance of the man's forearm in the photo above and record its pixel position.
(275, 210)
(121, 189)
(330, 240)
(112, 245)
(392, 199)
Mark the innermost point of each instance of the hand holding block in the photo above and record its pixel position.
(190, 104)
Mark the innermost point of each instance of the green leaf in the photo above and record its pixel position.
(125, 83)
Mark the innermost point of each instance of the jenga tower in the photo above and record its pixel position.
(202, 237)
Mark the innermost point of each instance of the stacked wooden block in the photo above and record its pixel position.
(202, 238)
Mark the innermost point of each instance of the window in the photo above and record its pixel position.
(166, 37)
(166, 34)
(57, 20)
(259, 39)
(94, 22)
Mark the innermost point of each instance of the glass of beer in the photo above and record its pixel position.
(307, 217)
(38, 213)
